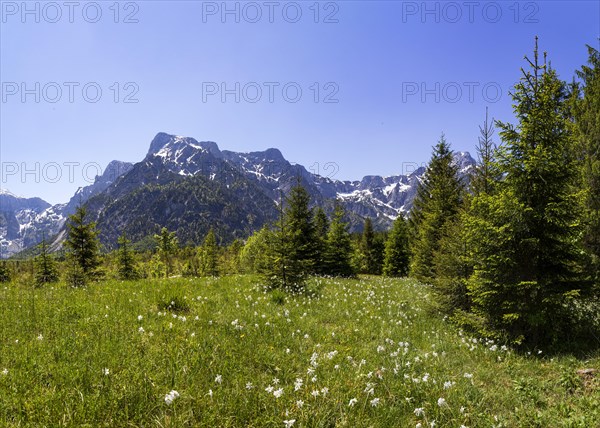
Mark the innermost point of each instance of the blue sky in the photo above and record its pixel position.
(376, 60)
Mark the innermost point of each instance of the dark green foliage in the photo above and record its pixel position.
(5, 275)
(437, 202)
(301, 227)
(523, 239)
(230, 204)
(339, 248)
(45, 266)
(210, 255)
(397, 258)
(283, 268)
(453, 268)
(320, 240)
(368, 249)
(166, 243)
(83, 248)
(126, 260)
(587, 116)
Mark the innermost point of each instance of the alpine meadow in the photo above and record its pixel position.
(204, 287)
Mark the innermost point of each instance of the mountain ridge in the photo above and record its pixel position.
(172, 160)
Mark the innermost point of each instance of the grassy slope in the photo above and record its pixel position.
(368, 339)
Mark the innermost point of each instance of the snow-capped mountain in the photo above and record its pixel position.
(25, 221)
(189, 186)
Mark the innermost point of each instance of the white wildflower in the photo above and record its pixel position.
(171, 396)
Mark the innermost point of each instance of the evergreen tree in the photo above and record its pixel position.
(46, 270)
(486, 174)
(83, 248)
(368, 250)
(5, 275)
(166, 244)
(210, 255)
(396, 260)
(283, 270)
(437, 202)
(587, 116)
(339, 248)
(301, 228)
(453, 268)
(126, 260)
(320, 240)
(523, 239)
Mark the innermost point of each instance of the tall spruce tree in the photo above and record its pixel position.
(587, 119)
(320, 240)
(301, 227)
(126, 260)
(486, 174)
(368, 249)
(339, 247)
(83, 248)
(437, 202)
(45, 266)
(397, 257)
(452, 261)
(283, 269)
(523, 238)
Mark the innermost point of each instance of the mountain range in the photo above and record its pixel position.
(190, 186)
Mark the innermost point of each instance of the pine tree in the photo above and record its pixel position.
(126, 260)
(166, 244)
(587, 117)
(83, 248)
(46, 270)
(210, 255)
(339, 248)
(320, 239)
(368, 250)
(301, 228)
(283, 270)
(523, 238)
(396, 260)
(486, 174)
(453, 268)
(437, 202)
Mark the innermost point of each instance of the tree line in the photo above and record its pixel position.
(514, 254)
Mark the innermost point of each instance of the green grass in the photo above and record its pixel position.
(364, 340)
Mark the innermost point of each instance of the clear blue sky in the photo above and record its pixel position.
(376, 54)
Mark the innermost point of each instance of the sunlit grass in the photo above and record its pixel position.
(358, 353)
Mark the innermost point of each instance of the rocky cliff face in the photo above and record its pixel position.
(190, 186)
